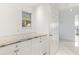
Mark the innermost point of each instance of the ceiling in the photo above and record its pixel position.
(64, 6)
(59, 6)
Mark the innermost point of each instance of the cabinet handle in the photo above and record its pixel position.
(16, 51)
(50, 35)
(16, 46)
(45, 53)
(40, 41)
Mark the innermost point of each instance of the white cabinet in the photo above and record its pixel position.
(35, 46)
(54, 43)
(24, 48)
(44, 45)
(44, 49)
(8, 50)
(40, 46)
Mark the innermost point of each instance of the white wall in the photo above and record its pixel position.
(11, 18)
(42, 17)
(67, 24)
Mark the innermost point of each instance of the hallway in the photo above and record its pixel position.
(64, 50)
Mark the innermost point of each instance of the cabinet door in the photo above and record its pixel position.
(7, 50)
(44, 45)
(44, 49)
(36, 46)
(44, 39)
(24, 48)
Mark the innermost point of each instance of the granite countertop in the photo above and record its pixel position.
(12, 39)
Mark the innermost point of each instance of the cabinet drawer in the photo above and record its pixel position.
(43, 39)
(24, 48)
(24, 44)
(36, 46)
(8, 50)
(24, 51)
(44, 48)
(36, 50)
(36, 41)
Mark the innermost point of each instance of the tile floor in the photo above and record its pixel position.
(64, 50)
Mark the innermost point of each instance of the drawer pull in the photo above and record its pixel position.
(45, 53)
(16, 51)
(16, 46)
(50, 35)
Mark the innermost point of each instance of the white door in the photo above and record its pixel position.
(24, 48)
(54, 32)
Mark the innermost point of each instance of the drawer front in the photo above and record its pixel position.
(24, 48)
(36, 41)
(24, 44)
(24, 51)
(44, 39)
(36, 46)
(44, 48)
(36, 50)
(40, 46)
(8, 50)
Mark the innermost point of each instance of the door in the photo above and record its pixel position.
(54, 32)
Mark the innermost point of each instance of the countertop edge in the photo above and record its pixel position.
(22, 40)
